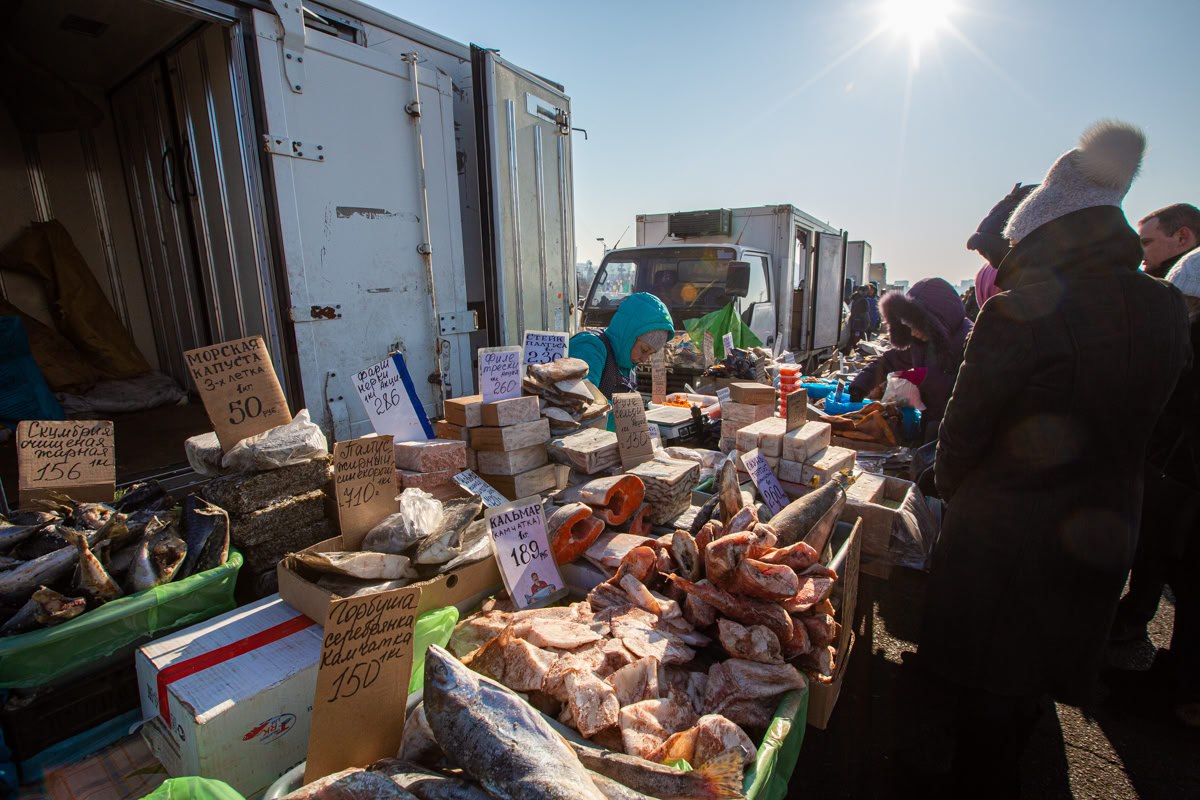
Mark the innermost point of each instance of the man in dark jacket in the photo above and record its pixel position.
(928, 328)
(1042, 470)
(1166, 235)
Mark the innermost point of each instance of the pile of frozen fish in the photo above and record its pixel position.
(690, 645)
(425, 538)
(473, 739)
(58, 563)
(568, 400)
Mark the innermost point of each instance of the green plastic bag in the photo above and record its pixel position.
(433, 627)
(719, 323)
(33, 659)
(194, 789)
(768, 776)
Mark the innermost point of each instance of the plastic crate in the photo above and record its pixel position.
(41, 657)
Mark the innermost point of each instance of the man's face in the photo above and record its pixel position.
(1158, 245)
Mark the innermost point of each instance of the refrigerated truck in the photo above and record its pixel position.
(797, 270)
(337, 180)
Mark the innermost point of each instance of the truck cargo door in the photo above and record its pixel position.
(364, 172)
(826, 291)
(525, 147)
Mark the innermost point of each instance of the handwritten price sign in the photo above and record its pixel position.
(499, 373)
(387, 393)
(77, 456)
(476, 485)
(658, 377)
(709, 358)
(633, 432)
(542, 347)
(364, 479)
(766, 482)
(519, 542)
(362, 681)
(727, 343)
(237, 384)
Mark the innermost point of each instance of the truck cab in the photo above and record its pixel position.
(691, 279)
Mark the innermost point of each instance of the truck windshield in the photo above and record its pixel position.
(691, 280)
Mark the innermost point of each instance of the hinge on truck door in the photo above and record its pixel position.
(283, 146)
(291, 17)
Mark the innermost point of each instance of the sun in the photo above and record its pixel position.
(916, 21)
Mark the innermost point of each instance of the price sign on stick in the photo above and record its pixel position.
(522, 550)
(765, 480)
(362, 681)
(633, 432)
(709, 358)
(499, 373)
(727, 343)
(542, 347)
(797, 409)
(476, 485)
(364, 478)
(658, 377)
(387, 393)
(237, 384)
(76, 456)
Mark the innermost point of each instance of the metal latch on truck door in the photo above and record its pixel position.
(283, 146)
(545, 110)
(291, 17)
(458, 322)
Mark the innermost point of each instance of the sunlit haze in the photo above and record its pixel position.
(901, 121)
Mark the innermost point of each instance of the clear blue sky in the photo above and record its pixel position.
(703, 104)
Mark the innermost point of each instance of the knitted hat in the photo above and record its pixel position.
(654, 339)
(991, 230)
(1097, 173)
(1186, 274)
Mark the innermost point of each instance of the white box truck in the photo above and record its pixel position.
(797, 269)
(339, 181)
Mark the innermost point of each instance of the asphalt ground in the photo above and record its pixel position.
(1127, 747)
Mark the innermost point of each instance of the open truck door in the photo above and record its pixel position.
(826, 291)
(524, 135)
(364, 171)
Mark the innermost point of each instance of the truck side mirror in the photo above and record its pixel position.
(737, 279)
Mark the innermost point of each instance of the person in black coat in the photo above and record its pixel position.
(1040, 459)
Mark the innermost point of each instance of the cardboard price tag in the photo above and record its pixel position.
(499, 373)
(658, 377)
(727, 343)
(542, 347)
(476, 485)
(723, 396)
(766, 482)
(362, 681)
(709, 358)
(520, 544)
(237, 384)
(387, 393)
(797, 409)
(633, 432)
(364, 480)
(74, 456)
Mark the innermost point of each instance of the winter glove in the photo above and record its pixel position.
(856, 395)
(926, 484)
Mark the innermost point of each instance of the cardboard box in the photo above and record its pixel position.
(876, 500)
(231, 698)
(463, 587)
(822, 697)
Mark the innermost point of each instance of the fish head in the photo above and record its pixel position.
(442, 670)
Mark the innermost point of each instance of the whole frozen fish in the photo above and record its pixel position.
(502, 741)
(91, 578)
(157, 558)
(719, 779)
(205, 530)
(446, 541)
(363, 565)
(44, 607)
(427, 784)
(352, 784)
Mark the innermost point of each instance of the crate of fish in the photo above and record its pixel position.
(86, 580)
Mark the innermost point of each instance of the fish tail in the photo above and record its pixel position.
(721, 777)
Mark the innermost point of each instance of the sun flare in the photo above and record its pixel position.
(916, 21)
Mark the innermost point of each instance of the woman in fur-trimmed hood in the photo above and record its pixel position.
(928, 328)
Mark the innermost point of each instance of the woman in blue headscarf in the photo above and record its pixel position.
(639, 329)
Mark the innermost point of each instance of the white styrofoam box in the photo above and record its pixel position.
(238, 696)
